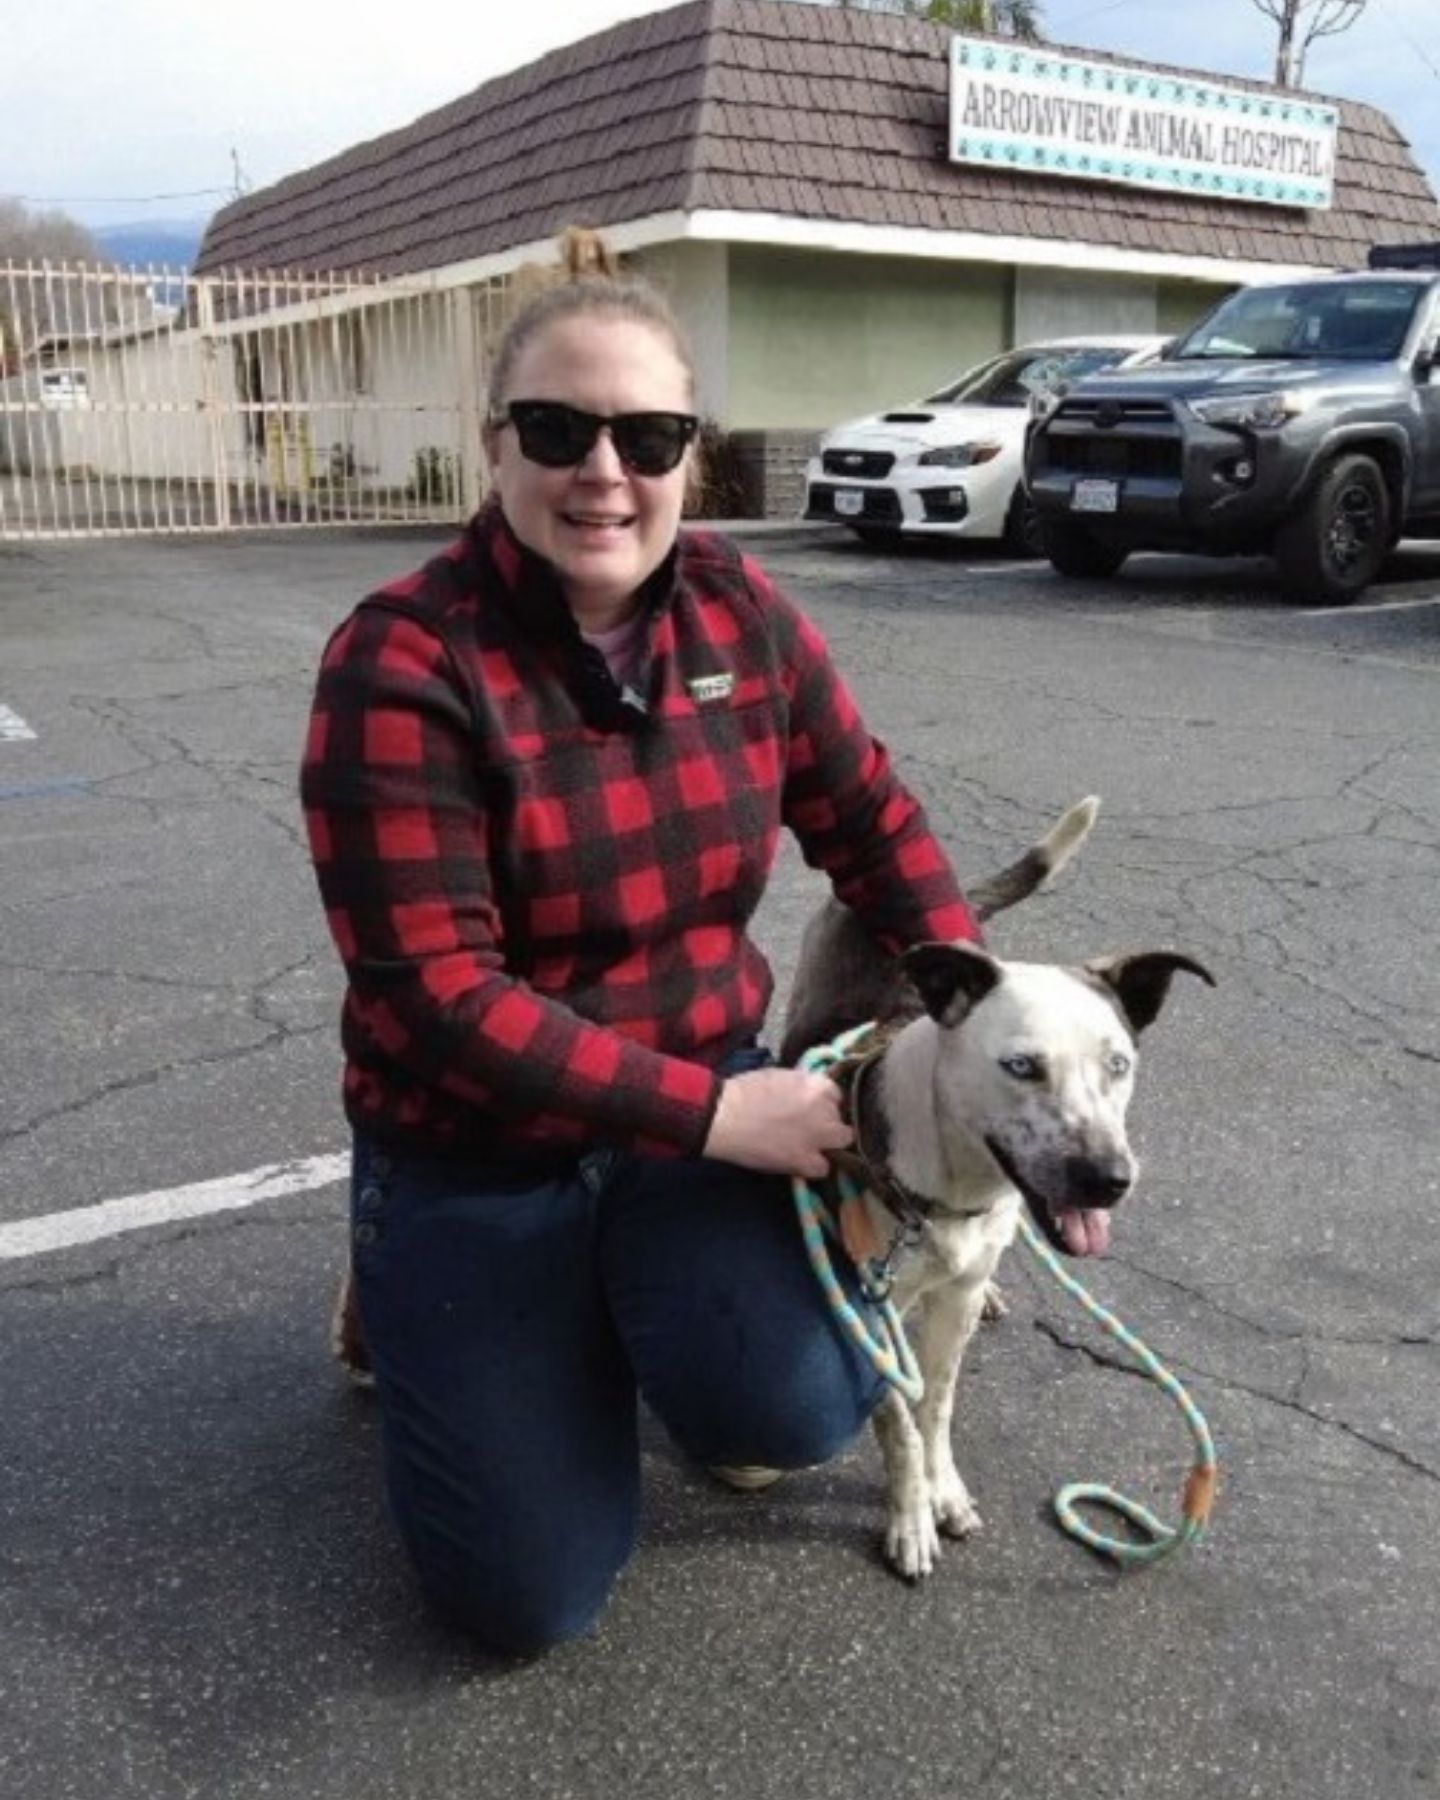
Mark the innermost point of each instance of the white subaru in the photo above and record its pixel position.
(951, 465)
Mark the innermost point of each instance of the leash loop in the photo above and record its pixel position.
(1198, 1498)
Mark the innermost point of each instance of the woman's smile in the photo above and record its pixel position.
(605, 528)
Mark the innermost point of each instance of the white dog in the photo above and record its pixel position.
(991, 1083)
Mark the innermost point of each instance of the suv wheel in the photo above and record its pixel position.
(1333, 547)
(1075, 551)
(1022, 526)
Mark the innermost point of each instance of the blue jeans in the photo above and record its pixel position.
(514, 1310)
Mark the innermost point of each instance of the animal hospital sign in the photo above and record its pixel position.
(1040, 112)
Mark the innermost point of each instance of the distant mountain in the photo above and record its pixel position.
(172, 243)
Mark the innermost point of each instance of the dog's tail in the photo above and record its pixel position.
(1039, 865)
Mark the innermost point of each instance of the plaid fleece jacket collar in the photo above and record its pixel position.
(540, 884)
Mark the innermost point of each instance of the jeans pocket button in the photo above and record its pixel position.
(372, 1198)
(366, 1233)
(381, 1165)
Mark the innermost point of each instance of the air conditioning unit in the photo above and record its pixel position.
(1405, 256)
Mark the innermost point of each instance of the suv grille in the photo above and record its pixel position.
(1119, 412)
(1110, 437)
(1106, 453)
(864, 465)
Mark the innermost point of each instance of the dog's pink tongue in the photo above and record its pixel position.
(1086, 1230)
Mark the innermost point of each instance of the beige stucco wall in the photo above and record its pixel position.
(799, 339)
(1062, 302)
(1180, 303)
(816, 337)
(1051, 303)
(695, 276)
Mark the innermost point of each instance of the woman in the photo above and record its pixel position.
(544, 784)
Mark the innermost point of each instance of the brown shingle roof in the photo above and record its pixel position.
(768, 106)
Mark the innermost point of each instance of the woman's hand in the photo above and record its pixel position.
(780, 1121)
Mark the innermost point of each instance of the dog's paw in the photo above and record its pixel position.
(994, 1306)
(912, 1544)
(955, 1512)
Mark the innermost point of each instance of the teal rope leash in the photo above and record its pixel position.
(890, 1354)
(1200, 1486)
(888, 1350)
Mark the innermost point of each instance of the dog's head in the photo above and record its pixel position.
(1038, 1063)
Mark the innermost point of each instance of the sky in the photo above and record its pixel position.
(124, 110)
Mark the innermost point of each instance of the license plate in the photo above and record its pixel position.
(1095, 497)
(849, 502)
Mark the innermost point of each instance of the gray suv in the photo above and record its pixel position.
(1300, 420)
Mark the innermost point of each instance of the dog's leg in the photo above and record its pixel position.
(951, 1315)
(912, 1543)
(994, 1306)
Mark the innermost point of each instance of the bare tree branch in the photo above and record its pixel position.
(1335, 16)
(1301, 22)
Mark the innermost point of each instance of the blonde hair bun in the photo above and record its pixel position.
(586, 281)
(584, 252)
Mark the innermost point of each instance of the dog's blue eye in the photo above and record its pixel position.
(1023, 1068)
(1119, 1063)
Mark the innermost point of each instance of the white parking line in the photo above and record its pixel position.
(1408, 604)
(13, 728)
(136, 1212)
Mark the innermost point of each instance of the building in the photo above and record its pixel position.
(786, 170)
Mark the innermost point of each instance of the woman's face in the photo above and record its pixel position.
(603, 527)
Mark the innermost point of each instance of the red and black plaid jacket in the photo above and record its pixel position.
(540, 884)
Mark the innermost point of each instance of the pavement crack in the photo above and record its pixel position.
(289, 1212)
(74, 972)
(1201, 1298)
(128, 1084)
(109, 1273)
(1226, 1384)
(1294, 1334)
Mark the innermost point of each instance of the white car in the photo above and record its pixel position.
(951, 466)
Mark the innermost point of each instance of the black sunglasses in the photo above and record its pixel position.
(558, 436)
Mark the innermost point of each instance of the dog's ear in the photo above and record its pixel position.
(950, 978)
(1140, 982)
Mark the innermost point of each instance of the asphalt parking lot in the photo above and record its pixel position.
(200, 1593)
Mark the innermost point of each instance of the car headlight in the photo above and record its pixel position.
(959, 456)
(1251, 412)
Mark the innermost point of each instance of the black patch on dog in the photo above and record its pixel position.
(1138, 984)
(950, 978)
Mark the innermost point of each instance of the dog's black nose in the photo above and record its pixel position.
(1095, 1182)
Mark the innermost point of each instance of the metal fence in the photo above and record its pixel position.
(144, 400)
